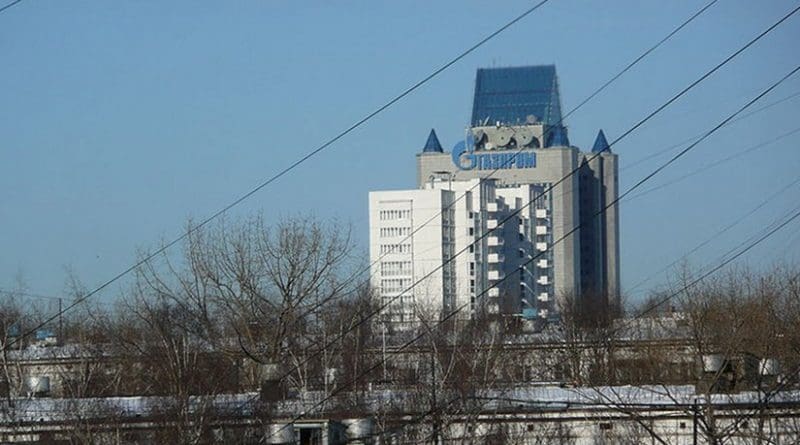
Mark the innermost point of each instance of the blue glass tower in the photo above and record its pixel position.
(512, 95)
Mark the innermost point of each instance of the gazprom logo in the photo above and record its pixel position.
(469, 160)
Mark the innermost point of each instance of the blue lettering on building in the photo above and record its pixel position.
(469, 160)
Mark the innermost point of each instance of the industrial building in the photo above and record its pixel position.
(489, 226)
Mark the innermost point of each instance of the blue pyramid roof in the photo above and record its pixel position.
(600, 143)
(558, 137)
(432, 145)
(510, 95)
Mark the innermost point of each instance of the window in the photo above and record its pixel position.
(394, 268)
(395, 248)
(395, 285)
(388, 215)
(386, 232)
(471, 231)
(472, 248)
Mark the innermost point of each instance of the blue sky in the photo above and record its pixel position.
(120, 120)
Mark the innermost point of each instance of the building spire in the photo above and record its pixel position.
(600, 143)
(432, 145)
(558, 137)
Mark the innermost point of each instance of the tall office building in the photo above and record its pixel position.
(488, 226)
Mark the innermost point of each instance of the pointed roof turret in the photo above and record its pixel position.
(558, 137)
(432, 145)
(600, 143)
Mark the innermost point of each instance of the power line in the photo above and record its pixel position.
(21, 293)
(552, 186)
(544, 137)
(701, 169)
(713, 270)
(586, 100)
(304, 158)
(601, 211)
(734, 222)
(723, 263)
(563, 118)
(9, 5)
(557, 183)
(714, 164)
(666, 151)
(353, 127)
(775, 227)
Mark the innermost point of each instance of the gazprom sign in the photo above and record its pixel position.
(470, 160)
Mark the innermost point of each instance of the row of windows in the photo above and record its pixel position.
(395, 231)
(395, 285)
(387, 215)
(395, 248)
(393, 268)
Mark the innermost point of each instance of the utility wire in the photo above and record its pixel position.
(641, 122)
(660, 168)
(388, 303)
(713, 164)
(666, 151)
(734, 222)
(298, 162)
(560, 122)
(514, 213)
(544, 138)
(775, 226)
(688, 286)
(425, 223)
(353, 127)
(615, 201)
(9, 5)
(601, 211)
(342, 134)
(699, 170)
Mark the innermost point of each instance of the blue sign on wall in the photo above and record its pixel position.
(469, 159)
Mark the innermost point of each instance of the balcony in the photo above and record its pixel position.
(541, 213)
(496, 275)
(494, 241)
(542, 264)
(494, 292)
(544, 296)
(495, 258)
(541, 230)
(491, 224)
(543, 313)
(541, 247)
(491, 206)
(543, 280)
